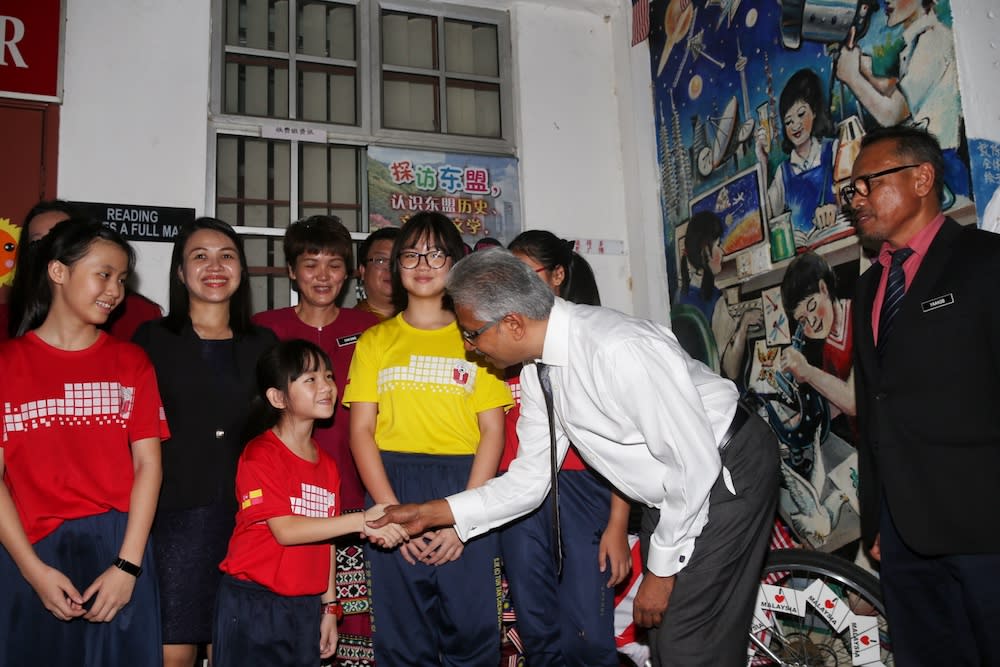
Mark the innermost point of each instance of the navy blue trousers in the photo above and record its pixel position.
(426, 615)
(942, 610)
(81, 549)
(567, 620)
(255, 626)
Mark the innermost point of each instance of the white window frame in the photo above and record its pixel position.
(368, 17)
(368, 83)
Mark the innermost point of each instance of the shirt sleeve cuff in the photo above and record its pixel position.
(666, 561)
(469, 514)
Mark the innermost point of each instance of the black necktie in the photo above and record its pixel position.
(895, 290)
(546, 383)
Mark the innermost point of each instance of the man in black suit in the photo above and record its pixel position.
(927, 371)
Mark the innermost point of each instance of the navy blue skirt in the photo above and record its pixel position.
(188, 546)
(81, 549)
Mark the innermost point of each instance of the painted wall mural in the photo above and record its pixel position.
(760, 111)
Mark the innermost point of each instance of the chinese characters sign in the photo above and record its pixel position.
(479, 193)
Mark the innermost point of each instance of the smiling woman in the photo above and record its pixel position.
(204, 352)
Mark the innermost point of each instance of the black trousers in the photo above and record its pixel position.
(942, 610)
(708, 617)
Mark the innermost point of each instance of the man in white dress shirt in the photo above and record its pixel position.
(661, 427)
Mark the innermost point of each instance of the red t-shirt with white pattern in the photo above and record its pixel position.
(272, 481)
(572, 460)
(69, 418)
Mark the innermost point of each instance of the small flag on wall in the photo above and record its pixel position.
(640, 21)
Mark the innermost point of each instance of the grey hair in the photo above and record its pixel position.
(493, 283)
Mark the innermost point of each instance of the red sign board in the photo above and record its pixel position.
(29, 47)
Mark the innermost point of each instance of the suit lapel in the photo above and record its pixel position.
(864, 340)
(928, 275)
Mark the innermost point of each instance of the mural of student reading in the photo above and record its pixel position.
(760, 109)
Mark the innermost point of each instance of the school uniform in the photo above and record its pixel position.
(268, 610)
(429, 395)
(69, 418)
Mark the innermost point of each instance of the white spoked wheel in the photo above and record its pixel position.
(816, 609)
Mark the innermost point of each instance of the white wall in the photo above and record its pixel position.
(134, 121)
(133, 126)
(976, 26)
(586, 142)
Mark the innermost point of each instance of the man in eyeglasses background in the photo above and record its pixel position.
(374, 275)
(927, 371)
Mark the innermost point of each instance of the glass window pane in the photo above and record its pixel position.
(349, 217)
(473, 108)
(344, 175)
(314, 173)
(409, 40)
(410, 103)
(227, 167)
(281, 170)
(253, 179)
(326, 30)
(327, 94)
(256, 86)
(257, 24)
(471, 48)
(269, 292)
(329, 180)
(226, 213)
(269, 283)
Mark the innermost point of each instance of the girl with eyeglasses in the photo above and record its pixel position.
(427, 421)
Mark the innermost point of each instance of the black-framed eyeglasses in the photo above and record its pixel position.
(410, 259)
(471, 336)
(381, 262)
(862, 185)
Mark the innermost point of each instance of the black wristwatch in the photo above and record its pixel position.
(128, 567)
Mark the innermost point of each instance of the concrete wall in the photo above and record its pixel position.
(134, 121)
(135, 107)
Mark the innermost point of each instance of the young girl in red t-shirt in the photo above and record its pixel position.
(80, 464)
(277, 603)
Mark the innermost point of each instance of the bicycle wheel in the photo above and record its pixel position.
(815, 609)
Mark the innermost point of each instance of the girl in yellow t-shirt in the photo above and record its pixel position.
(427, 422)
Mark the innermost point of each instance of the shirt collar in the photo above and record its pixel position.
(555, 348)
(812, 157)
(920, 242)
(919, 25)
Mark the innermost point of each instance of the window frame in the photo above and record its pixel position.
(368, 130)
(369, 80)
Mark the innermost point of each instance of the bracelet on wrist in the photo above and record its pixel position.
(126, 566)
(332, 608)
